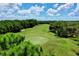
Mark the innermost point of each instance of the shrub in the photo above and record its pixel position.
(12, 44)
(23, 49)
(9, 40)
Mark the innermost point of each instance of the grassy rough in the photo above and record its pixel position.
(51, 44)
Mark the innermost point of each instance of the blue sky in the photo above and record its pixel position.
(39, 11)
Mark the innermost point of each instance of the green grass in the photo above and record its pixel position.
(36, 35)
(51, 44)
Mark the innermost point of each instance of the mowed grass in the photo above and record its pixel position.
(37, 34)
(51, 44)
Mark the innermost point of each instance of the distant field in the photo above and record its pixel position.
(51, 44)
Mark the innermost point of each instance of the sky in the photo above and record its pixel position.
(39, 11)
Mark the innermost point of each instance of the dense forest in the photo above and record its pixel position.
(15, 25)
(10, 42)
(65, 29)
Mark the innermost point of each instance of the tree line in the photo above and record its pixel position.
(65, 29)
(15, 25)
(61, 28)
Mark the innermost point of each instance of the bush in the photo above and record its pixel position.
(14, 45)
(9, 40)
(23, 49)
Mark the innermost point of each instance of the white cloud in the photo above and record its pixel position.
(60, 10)
(24, 12)
(57, 14)
(75, 12)
(4, 4)
(56, 5)
(77, 8)
(19, 4)
(36, 10)
(13, 10)
(2, 14)
(8, 7)
(7, 10)
(71, 14)
(51, 12)
(65, 6)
